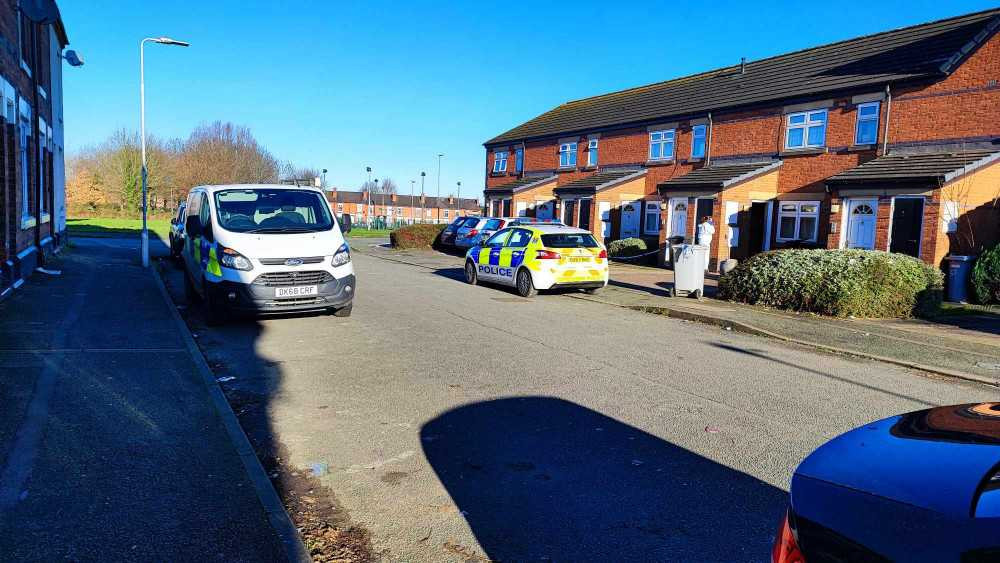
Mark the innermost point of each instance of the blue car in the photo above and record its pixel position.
(922, 486)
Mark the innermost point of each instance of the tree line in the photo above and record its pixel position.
(110, 174)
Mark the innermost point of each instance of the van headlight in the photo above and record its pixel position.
(232, 259)
(341, 256)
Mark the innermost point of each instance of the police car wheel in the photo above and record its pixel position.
(525, 285)
(470, 273)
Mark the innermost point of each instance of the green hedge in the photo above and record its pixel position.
(415, 236)
(860, 283)
(626, 247)
(986, 276)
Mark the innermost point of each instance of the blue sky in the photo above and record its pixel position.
(390, 85)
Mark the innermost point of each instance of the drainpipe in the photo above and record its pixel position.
(888, 109)
(708, 142)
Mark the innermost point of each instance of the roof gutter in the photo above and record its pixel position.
(888, 109)
(708, 142)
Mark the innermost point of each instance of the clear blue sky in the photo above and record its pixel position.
(344, 85)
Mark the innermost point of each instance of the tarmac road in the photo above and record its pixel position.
(464, 423)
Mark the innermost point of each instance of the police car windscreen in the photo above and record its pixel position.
(268, 210)
(569, 240)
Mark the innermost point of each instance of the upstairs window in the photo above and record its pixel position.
(518, 160)
(567, 155)
(499, 162)
(592, 152)
(26, 36)
(698, 141)
(866, 130)
(661, 145)
(806, 129)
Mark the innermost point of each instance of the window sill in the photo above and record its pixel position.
(27, 222)
(588, 168)
(566, 169)
(660, 162)
(803, 152)
(25, 68)
(46, 218)
(694, 160)
(861, 148)
(497, 174)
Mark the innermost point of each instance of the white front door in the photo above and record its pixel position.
(678, 217)
(604, 215)
(630, 218)
(861, 223)
(522, 209)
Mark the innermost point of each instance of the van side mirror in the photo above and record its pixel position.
(345, 223)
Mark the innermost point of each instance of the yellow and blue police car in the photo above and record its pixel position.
(542, 256)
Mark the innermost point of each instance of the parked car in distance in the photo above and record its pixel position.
(922, 486)
(515, 221)
(451, 231)
(177, 231)
(265, 249)
(534, 257)
(471, 234)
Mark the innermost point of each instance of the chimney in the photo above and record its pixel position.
(743, 65)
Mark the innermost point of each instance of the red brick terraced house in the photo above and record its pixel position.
(889, 141)
(396, 208)
(32, 186)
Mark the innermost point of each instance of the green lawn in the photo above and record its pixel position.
(357, 232)
(106, 226)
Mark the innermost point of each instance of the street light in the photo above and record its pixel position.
(413, 219)
(144, 240)
(422, 174)
(323, 181)
(375, 188)
(368, 191)
(439, 188)
(459, 183)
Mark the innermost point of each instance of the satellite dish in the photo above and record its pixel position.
(73, 58)
(40, 11)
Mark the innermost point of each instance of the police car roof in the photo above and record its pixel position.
(547, 229)
(220, 187)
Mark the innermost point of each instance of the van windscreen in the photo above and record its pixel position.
(569, 240)
(272, 210)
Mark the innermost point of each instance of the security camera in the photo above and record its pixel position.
(73, 58)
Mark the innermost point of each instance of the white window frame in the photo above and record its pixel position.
(860, 120)
(667, 137)
(446, 213)
(651, 208)
(807, 123)
(592, 152)
(20, 41)
(704, 139)
(42, 157)
(567, 155)
(24, 160)
(340, 208)
(499, 162)
(798, 214)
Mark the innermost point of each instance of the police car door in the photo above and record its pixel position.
(489, 257)
(513, 253)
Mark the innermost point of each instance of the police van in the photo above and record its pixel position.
(539, 256)
(265, 249)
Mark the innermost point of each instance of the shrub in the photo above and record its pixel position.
(415, 236)
(626, 247)
(862, 283)
(986, 276)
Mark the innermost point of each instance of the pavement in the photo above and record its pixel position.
(110, 445)
(965, 346)
(451, 422)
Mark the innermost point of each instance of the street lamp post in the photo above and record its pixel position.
(144, 239)
(459, 183)
(439, 188)
(368, 192)
(413, 219)
(375, 188)
(422, 174)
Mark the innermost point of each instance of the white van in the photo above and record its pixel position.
(265, 249)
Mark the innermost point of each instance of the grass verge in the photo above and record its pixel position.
(110, 226)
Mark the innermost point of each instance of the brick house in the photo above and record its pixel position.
(396, 208)
(888, 141)
(32, 177)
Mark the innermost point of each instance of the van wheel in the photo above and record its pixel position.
(470, 273)
(190, 293)
(525, 285)
(344, 311)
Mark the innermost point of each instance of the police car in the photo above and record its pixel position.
(533, 257)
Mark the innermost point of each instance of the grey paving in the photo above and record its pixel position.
(461, 423)
(110, 449)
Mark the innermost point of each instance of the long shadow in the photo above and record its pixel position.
(762, 355)
(544, 479)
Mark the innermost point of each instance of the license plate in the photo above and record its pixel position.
(297, 291)
(579, 259)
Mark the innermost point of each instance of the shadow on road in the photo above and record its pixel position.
(541, 478)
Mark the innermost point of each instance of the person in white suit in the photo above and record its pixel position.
(706, 230)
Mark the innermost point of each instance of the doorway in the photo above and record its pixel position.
(584, 222)
(861, 219)
(630, 219)
(569, 212)
(907, 224)
(757, 230)
(678, 217)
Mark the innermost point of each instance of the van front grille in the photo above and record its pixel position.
(279, 279)
(281, 261)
